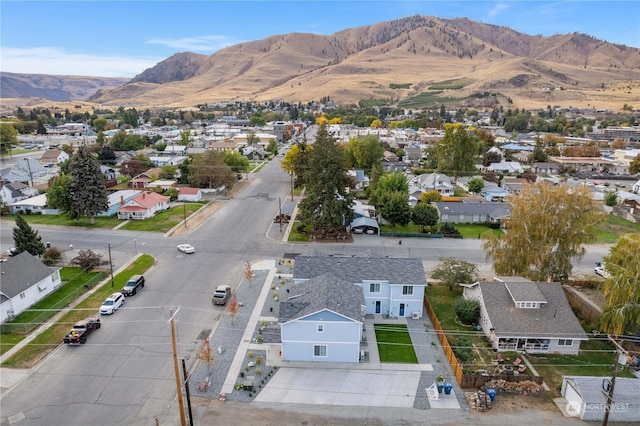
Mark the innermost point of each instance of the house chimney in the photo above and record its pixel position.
(121, 200)
(144, 194)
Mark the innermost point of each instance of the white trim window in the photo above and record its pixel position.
(407, 290)
(565, 342)
(374, 287)
(320, 350)
(320, 328)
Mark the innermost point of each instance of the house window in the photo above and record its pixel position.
(565, 342)
(374, 288)
(445, 217)
(320, 328)
(527, 305)
(319, 350)
(407, 290)
(22, 295)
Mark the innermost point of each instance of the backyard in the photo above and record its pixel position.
(394, 344)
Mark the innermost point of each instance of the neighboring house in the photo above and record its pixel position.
(361, 209)
(436, 182)
(189, 194)
(473, 212)
(364, 225)
(390, 157)
(118, 199)
(25, 280)
(636, 187)
(521, 315)
(16, 191)
(37, 204)
(167, 160)
(53, 156)
(223, 146)
(143, 206)
(587, 399)
(513, 186)
(27, 171)
(108, 172)
(506, 167)
(392, 286)
(361, 180)
(254, 152)
(322, 321)
(493, 192)
(629, 199)
(143, 179)
(162, 185)
(547, 168)
(172, 149)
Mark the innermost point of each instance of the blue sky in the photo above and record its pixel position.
(123, 38)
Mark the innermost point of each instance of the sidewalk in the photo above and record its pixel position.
(11, 376)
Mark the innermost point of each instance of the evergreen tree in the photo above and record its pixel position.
(26, 239)
(87, 189)
(328, 203)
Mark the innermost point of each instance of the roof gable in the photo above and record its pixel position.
(22, 271)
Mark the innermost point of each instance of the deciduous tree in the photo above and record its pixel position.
(87, 189)
(8, 137)
(363, 152)
(233, 308)
(208, 170)
(424, 214)
(634, 166)
(476, 185)
(25, 238)
(456, 151)
(453, 271)
(547, 228)
(238, 162)
(394, 208)
(621, 313)
(58, 195)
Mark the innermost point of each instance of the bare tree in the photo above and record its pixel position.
(205, 354)
(233, 308)
(248, 272)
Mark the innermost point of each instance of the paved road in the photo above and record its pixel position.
(124, 375)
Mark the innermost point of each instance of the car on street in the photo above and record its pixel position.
(601, 270)
(133, 286)
(221, 295)
(186, 248)
(112, 303)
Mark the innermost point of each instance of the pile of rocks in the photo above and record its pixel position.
(478, 401)
(526, 387)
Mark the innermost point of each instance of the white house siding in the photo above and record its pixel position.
(412, 302)
(339, 335)
(27, 298)
(370, 298)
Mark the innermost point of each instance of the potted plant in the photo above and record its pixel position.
(440, 383)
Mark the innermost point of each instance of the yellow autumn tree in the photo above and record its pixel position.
(322, 120)
(547, 229)
(621, 312)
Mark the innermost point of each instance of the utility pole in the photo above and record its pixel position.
(184, 212)
(280, 213)
(186, 389)
(176, 369)
(291, 173)
(608, 386)
(110, 263)
(30, 174)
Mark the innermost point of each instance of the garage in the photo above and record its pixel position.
(585, 398)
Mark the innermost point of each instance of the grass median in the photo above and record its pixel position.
(45, 342)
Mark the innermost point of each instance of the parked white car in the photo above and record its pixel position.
(601, 270)
(112, 303)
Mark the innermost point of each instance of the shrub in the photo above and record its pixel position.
(462, 348)
(87, 259)
(259, 360)
(468, 311)
(258, 372)
(51, 256)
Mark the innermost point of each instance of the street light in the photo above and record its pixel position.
(30, 174)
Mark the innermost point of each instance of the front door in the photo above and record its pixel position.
(402, 309)
(377, 306)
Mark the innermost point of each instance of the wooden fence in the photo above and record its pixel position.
(453, 361)
(467, 380)
(587, 309)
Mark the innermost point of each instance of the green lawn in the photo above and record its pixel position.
(295, 236)
(160, 222)
(75, 282)
(394, 344)
(613, 227)
(467, 230)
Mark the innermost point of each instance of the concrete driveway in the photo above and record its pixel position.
(342, 387)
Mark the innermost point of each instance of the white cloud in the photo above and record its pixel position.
(57, 61)
(498, 9)
(206, 44)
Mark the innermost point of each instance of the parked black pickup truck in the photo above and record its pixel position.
(80, 331)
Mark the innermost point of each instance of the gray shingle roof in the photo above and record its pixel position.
(525, 292)
(21, 272)
(554, 318)
(323, 292)
(353, 269)
(491, 209)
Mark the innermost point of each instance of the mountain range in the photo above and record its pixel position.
(419, 59)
